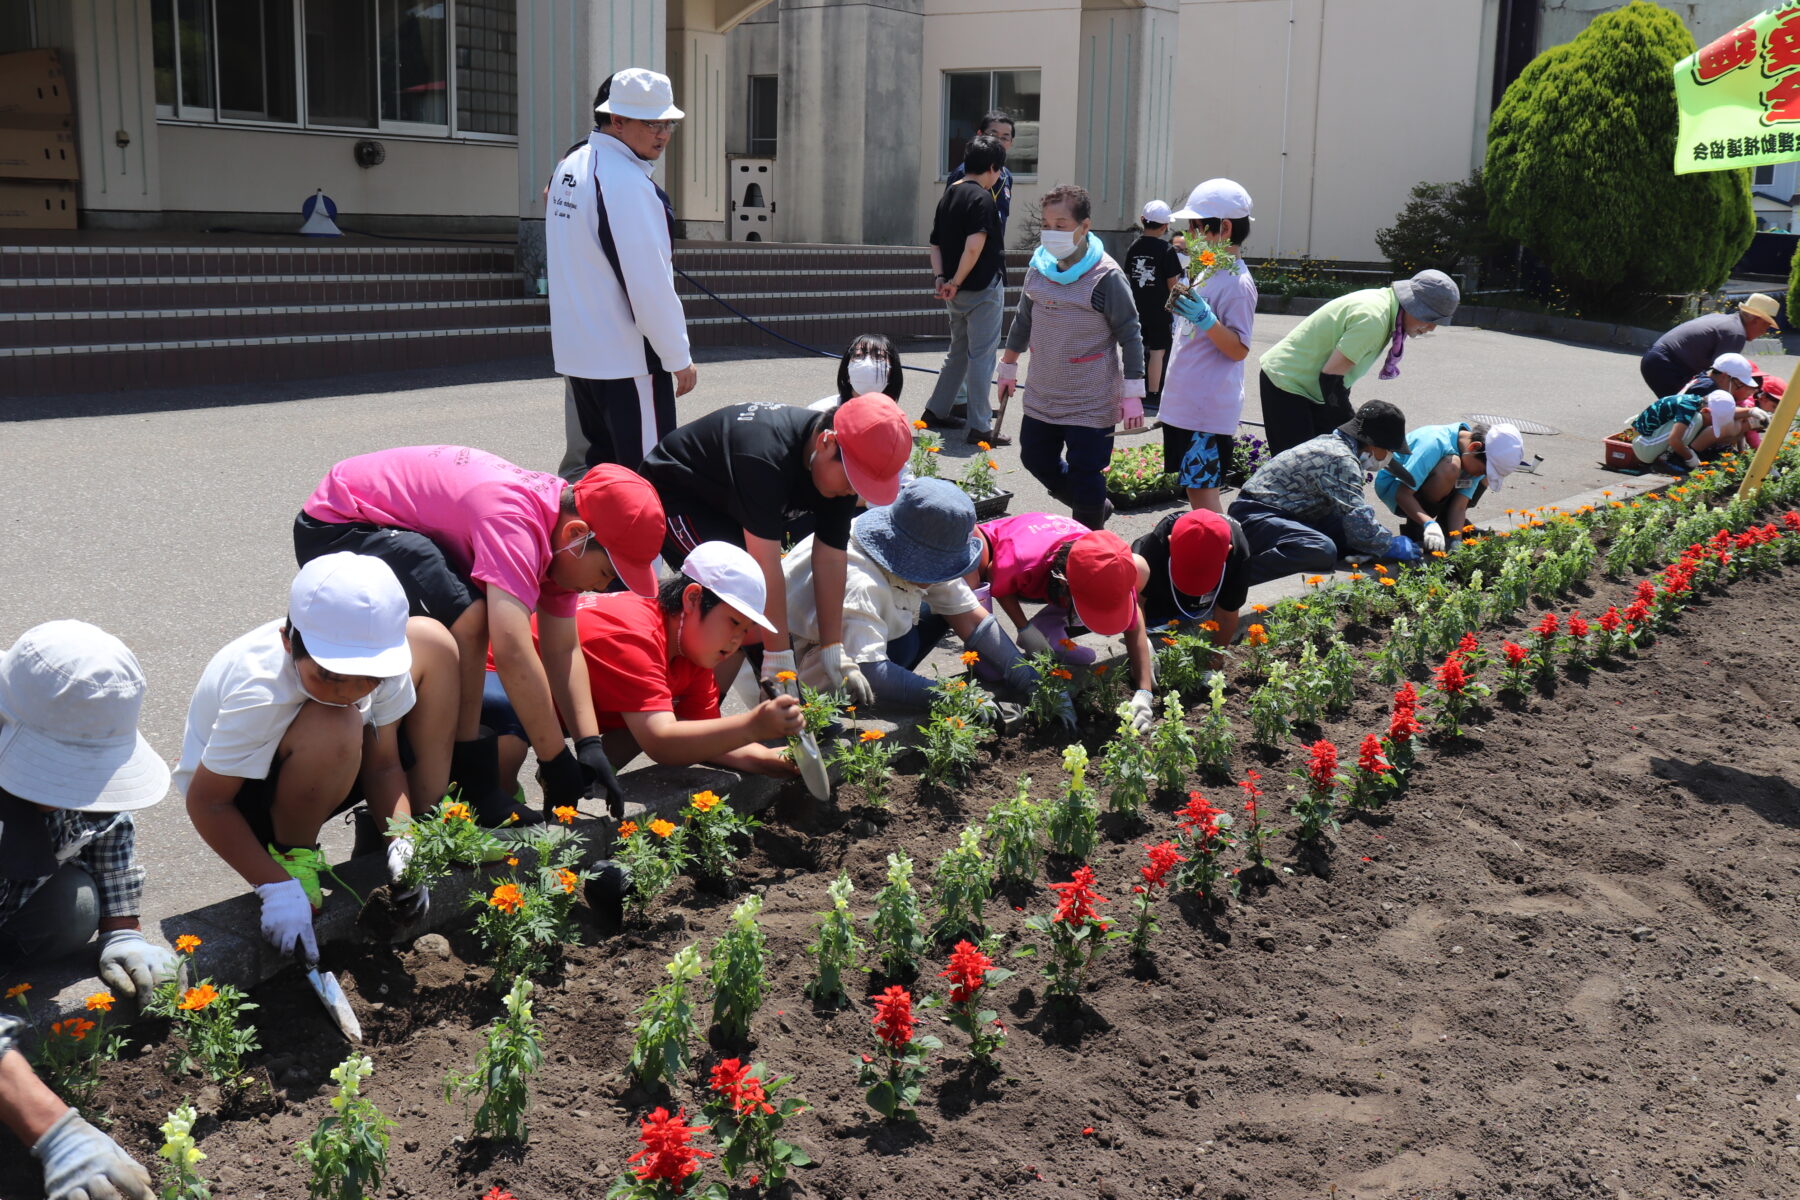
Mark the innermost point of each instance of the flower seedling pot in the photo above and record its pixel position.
(1617, 453)
(989, 507)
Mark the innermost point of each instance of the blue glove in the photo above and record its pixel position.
(1403, 549)
(1196, 310)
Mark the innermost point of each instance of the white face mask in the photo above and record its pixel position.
(315, 699)
(867, 375)
(1371, 460)
(1059, 242)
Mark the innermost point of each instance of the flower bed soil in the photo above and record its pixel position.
(1561, 965)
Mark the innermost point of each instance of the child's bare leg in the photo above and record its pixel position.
(471, 633)
(1205, 498)
(320, 755)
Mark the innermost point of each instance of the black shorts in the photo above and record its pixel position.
(434, 588)
(256, 797)
(1198, 460)
(1158, 329)
(691, 525)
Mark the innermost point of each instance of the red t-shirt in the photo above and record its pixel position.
(628, 663)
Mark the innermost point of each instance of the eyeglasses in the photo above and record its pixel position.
(659, 126)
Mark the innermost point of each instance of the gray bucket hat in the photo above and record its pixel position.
(1429, 296)
(927, 535)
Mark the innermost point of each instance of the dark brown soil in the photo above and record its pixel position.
(1562, 965)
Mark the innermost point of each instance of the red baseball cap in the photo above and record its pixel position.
(626, 516)
(875, 442)
(1198, 547)
(1103, 582)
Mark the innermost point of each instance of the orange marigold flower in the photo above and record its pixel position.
(1357, 577)
(100, 1002)
(75, 1028)
(197, 998)
(706, 801)
(1387, 583)
(511, 861)
(871, 735)
(992, 465)
(626, 829)
(970, 658)
(1061, 673)
(565, 813)
(507, 898)
(1169, 641)
(457, 812)
(920, 425)
(17, 990)
(1380, 570)
(662, 828)
(568, 879)
(1102, 669)
(933, 450)
(1208, 258)
(785, 677)
(1314, 580)
(983, 446)
(1257, 636)
(1209, 626)
(187, 943)
(1259, 608)
(1438, 554)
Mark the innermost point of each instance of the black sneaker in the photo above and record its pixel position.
(977, 436)
(933, 421)
(959, 412)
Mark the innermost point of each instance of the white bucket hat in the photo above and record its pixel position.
(351, 612)
(642, 95)
(732, 575)
(70, 695)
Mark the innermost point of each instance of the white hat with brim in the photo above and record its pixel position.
(641, 94)
(729, 573)
(70, 695)
(351, 612)
(1736, 366)
(1214, 199)
(1765, 306)
(1505, 452)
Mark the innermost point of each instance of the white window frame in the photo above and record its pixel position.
(180, 114)
(943, 147)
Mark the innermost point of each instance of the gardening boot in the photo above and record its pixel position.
(1093, 518)
(1053, 623)
(368, 838)
(475, 769)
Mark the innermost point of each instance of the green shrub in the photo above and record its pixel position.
(1578, 166)
(1441, 225)
(1793, 296)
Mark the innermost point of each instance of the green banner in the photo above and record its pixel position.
(1739, 96)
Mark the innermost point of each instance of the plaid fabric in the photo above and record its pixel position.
(1318, 481)
(108, 848)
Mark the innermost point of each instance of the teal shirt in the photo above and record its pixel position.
(1360, 324)
(1430, 446)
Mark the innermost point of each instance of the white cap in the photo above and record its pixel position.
(1505, 451)
(1736, 366)
(732, 575)
(1217, 198)
(70, 694)
(351, 611)
(1156, 213)
(641, 95)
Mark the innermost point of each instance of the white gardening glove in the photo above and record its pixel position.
(845, 674)
(1007, 376)
(81, 1163)
(287, 918)
(131, 966)
(1434, 536)
(1143, 710)
(1031, 640)
(1691, 459)
(413, 903)
(774, 663)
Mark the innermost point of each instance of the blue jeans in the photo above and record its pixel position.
(974, 344)
(910, 648)
(1077, 482)
(1284, 545)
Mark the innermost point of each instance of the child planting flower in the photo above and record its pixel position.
(1315, 810)
(1375, 779)
(894, 1078)
(668, 1162)
(1076, 934)
(971, 973)
(746, 1116)
(1164, 857)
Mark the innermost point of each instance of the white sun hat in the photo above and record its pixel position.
(732, 575)
(641, 95)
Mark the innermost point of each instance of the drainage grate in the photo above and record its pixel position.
(1534, 428)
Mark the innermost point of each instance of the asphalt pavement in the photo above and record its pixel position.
(165, 517)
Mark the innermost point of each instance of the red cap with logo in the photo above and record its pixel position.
(1103, 582)
(626, 516)
(1198, 547)
(875, 442)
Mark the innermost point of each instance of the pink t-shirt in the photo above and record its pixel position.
(493, 520)
(1022, 549)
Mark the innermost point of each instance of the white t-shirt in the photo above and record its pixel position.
(877, 607)
(248, 696)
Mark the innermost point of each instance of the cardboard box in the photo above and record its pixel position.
(37, 205)
(1618, 453)
(33, 82)
(38, 154)
(51, 122)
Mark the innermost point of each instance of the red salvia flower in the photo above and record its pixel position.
(1076, 898)
(1515, 654)
(1197, 812)
(1637, 612)
(1791, 519)
(967, 972)
(1321, 768)
(1369, 759)
(1251, 783)
(1452, 677)
(743, 1091)
(1646, 591)
(1578, 628)
(894, 1021)
(667, 1155)
(1404, 723)
(1610, 620)
(1547, 627)
(1468, 644)
(1163, 856)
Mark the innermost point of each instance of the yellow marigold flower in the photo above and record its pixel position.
(568, 879)
(627, 828)
(457, 812)
(17, 990)
(507, 898)
(197, 998)
(872, 735)
(100, 1002)
(970, 658)
(662, 828)
(565, 813)
(187, 943)
(785, 677)
(706, 801)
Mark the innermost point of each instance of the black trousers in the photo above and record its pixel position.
(614, 420)
(1290, 418)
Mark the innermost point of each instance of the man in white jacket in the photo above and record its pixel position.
(616, 324)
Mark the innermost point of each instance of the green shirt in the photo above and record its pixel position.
(1360, 324)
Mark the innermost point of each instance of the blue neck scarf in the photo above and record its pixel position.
(1044, 264)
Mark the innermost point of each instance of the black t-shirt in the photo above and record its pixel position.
(966, 209)
(1162, 603)
(748, 461)
(1149, 265)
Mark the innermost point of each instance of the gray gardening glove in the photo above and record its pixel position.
(81, 1163)
(131, 966)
